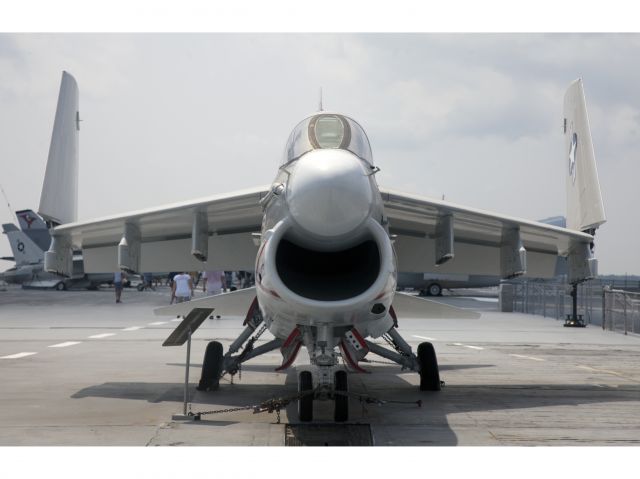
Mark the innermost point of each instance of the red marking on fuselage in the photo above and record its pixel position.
(270, 291)
(345, 354)
(28, 219)
(291, 358)
(252, 309)
(392, 312)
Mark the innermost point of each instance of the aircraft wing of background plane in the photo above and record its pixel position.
(218, 228)
(459, 239)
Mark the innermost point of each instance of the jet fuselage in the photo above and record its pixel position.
(325, 262)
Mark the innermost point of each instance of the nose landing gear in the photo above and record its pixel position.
(338, 392)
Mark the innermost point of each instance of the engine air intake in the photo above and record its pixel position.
(328, 275)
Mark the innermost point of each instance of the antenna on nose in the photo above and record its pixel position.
(320, 105)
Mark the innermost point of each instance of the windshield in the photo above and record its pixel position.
(328, 130)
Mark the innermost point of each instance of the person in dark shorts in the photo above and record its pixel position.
(118, 278)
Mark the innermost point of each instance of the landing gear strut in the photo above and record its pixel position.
(574, 320)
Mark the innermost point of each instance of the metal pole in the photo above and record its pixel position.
(624, 296)
(604, 306)
(186, 373)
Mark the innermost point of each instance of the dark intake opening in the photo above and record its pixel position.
(328, 276)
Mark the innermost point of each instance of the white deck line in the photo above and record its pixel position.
(526, 357)
(17, 355)
(100, 336)
(64, 345)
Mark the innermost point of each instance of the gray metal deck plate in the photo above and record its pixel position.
(328, 435)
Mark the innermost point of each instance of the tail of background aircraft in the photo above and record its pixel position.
(35, 228)
(585, 210)
(59, 199)
(24, 250)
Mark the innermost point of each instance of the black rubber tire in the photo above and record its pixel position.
(61, 286)
(305, 403)
(341, 411)
(434, 289)
(140, 287)
(211, 367)
(429, 374)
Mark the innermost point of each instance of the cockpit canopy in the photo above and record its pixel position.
(328, 130)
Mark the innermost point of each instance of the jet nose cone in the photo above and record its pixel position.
(329, 193)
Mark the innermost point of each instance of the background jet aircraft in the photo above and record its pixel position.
(29, 268)
(326, 243)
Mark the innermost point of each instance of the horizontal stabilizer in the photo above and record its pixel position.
(41, 284)
(235, 303)
(408, 306)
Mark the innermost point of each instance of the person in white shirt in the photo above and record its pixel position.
(214, 282)
(182, 288)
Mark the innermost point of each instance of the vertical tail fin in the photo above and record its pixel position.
(585, 210)
(24, 250)
(35, 228)
(59, 199)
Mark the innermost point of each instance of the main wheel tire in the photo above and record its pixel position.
(341, 412)
(429, 374)
(140, 287)
(211, 367)
(305, 403)
(61, 286)
(434, 289)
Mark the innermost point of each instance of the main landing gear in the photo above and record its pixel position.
(324, 378)
(216, 364)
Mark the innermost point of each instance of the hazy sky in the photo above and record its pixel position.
(476, 117)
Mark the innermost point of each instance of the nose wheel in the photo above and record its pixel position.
(211, 367)
(305, 402)
(341, 412)
(339, 396)
(429, 375)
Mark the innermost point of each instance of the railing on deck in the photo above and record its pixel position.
(621, 310)
(598, 303)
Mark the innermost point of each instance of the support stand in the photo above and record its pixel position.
(185, 416)
(178, 337)
(574, 320)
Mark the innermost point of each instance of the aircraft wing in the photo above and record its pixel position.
(176, 237)
(433, 235)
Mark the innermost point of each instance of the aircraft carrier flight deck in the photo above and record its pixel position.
(79, 369)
